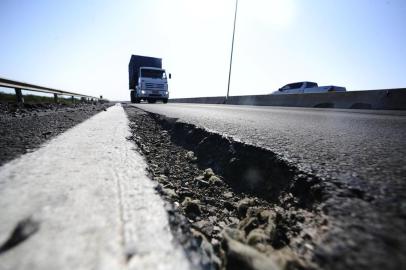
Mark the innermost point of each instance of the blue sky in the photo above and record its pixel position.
(85, 46)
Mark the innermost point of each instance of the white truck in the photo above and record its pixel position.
(147, 79)
(307, 87)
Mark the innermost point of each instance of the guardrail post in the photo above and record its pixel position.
(73, 99)
(55, 98)
(19, 96)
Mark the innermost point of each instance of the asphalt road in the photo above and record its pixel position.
(359, 153)
(358, 144)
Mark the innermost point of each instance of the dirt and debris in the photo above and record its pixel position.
(228, 224)
(23, 230)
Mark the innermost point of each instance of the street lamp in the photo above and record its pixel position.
(232, 49)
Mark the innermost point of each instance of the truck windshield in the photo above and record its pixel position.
(152, 73)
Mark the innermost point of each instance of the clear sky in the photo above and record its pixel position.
(85, 46)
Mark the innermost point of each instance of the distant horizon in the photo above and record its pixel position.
(87, 45)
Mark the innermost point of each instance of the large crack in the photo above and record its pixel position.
(246, 168)
(235, 206)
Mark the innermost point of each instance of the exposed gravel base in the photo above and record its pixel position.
(220, 221)
(22, 130)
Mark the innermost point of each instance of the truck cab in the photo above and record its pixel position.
(152, 85)
(147, 80)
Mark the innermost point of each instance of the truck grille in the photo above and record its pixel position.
(151, 86)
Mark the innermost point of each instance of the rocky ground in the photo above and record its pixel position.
(23, 129)
(228, 224)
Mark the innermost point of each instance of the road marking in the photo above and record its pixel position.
(88, 191)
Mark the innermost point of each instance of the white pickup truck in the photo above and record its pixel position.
(307, 87)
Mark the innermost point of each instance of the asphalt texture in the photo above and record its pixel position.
(358, 155)
(24, 129)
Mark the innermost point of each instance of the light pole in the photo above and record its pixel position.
(232, 49)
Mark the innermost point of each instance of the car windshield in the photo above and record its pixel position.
(153, 73)
(292, 86)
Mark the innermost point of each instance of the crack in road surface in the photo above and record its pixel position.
(209, 162)
(242, 206)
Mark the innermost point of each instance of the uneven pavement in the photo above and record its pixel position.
(329, 142)
(83, 201)
(346, 166)
(245, 188)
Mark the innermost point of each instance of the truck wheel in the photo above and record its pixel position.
(165, 100)
(132, 97)
(137, 100)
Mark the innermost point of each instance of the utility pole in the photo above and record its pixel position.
(232, 49)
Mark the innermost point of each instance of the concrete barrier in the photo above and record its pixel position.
(385, 99)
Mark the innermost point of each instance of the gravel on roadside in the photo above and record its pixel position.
(24, 129)
(225, 227)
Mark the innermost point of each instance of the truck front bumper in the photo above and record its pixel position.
(152, 94)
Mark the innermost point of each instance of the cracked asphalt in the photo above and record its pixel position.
(358, 155)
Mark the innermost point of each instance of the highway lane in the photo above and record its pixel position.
(357, 144)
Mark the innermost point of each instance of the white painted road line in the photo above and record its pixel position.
(88, 191)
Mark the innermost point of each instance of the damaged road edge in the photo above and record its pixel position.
(226, 196)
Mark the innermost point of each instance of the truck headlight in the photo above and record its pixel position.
(166, 93)
(143, 92)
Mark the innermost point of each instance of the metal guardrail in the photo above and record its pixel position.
(18, 86)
